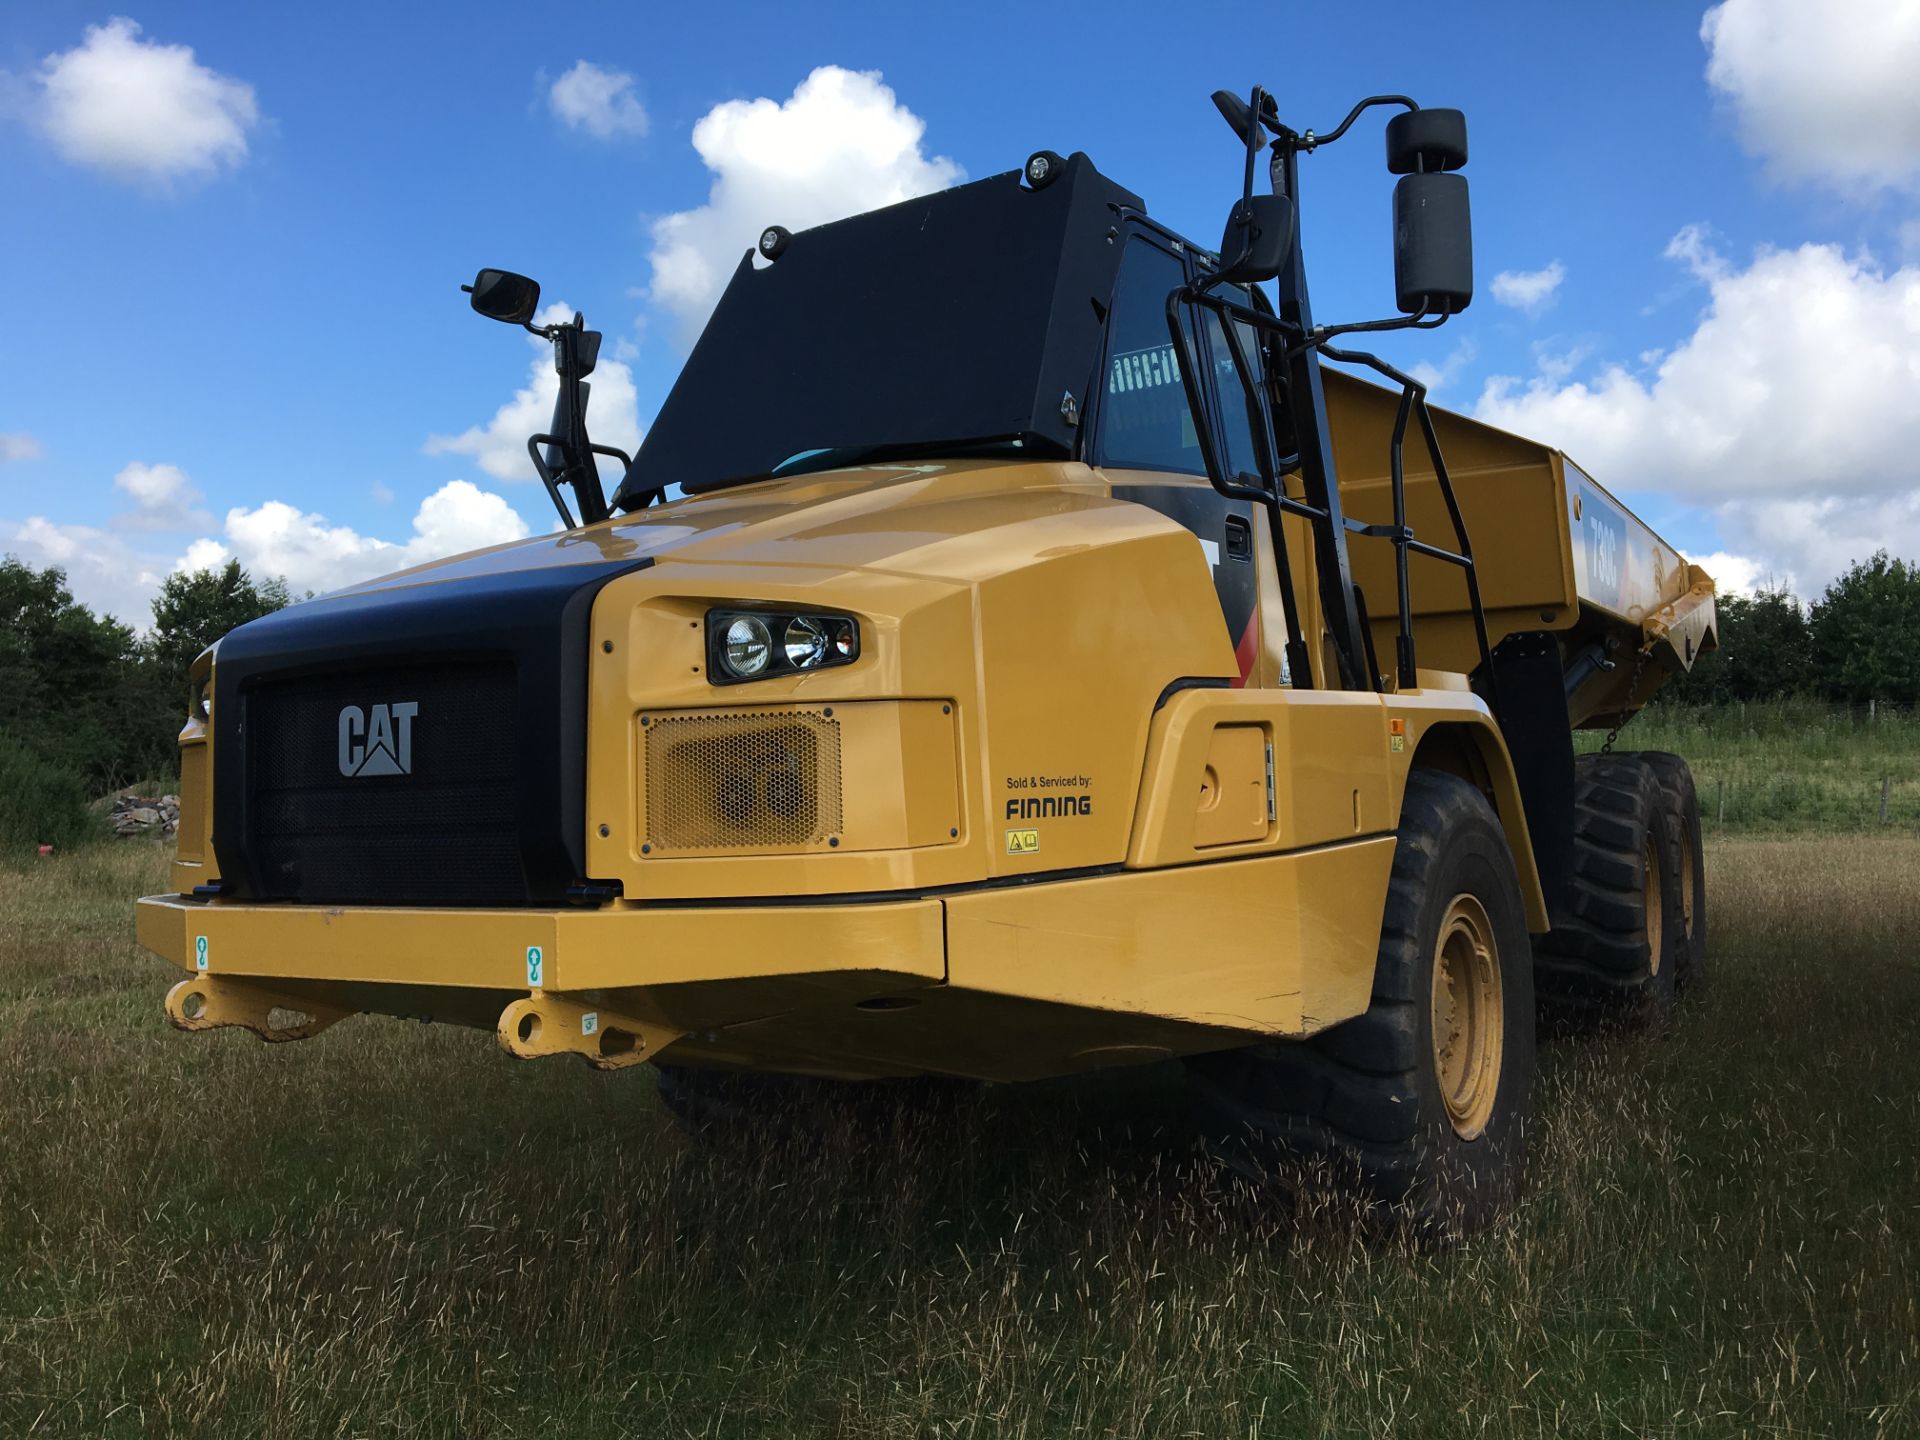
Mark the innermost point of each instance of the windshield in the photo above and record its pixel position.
(955, 323)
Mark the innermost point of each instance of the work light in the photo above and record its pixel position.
(740, 643)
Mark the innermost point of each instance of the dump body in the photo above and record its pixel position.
(1556, 552)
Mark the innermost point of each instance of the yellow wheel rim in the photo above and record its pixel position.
(1656, 912)
(1469, 1029)
(1686, 880)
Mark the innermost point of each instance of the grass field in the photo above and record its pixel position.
(394, 1230)
(1789, 765)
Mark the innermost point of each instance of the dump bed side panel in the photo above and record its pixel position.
(1620, 567)
(1512, 500)
(1554, 550)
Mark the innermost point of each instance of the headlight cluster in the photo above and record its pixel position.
(755, 644)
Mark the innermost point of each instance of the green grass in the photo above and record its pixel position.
(395, 1230)
(1788, 765)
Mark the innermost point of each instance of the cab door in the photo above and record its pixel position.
(1146, 443)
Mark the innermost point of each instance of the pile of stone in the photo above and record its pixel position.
(129, 814)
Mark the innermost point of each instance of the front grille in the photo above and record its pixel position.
(740, 782)
(429, 815)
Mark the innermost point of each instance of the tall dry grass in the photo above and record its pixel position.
(394, 1230)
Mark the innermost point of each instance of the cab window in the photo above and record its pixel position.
(1238, 412)
(1145, 423)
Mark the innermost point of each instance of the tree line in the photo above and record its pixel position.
(84, 698)
(1858, 642)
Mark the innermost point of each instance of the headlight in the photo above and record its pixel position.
(741, 643)
(748, 646)
(200, 700)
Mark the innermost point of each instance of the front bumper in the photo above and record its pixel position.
(993, 982)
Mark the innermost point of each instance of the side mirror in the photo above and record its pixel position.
(1258, 239)
(505, 296)
(1426, 140)
(1432, 244)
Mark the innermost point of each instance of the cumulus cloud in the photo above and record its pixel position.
(500, 446)
(140, 110)
(1788, 413)
(110, 573)
(840, 144)
(19, 445)
(104, 571)
(1822, 93)
(280, 539)
(1529, 290)
(163, 499)
(1739, 574)
(600, 102)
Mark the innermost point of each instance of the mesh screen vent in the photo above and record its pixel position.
(743, 781)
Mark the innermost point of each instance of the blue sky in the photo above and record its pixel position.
(235, 325)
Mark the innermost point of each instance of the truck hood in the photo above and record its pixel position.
(944, 521)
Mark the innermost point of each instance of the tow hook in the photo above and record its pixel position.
(213, 1002)
(547, 1024)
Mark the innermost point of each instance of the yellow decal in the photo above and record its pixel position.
(1023, 842)
(1397, 743)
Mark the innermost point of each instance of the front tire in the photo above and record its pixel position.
(1420, 1107)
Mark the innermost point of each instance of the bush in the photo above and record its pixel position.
(42, 803)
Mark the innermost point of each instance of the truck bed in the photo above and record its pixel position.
(1555, 551)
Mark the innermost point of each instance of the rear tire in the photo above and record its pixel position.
(1420, 1107)
(1614, 952)
(1683, 815)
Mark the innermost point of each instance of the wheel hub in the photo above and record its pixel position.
(1468, 1028)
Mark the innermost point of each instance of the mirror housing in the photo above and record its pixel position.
(1426, 141)
(1432, 244)
(504, 296)
(1258, 241)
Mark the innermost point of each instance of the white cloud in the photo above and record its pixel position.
(1822, 92)
(104, 571)
(280, 539)
(600, 102)
(1738, 574)
(840, 144)
(1438, 377)
(137, 109)
(163, 499)
(110, 574)
(500, 446)
(1529, 290)
(1788, 413)
(19, 445)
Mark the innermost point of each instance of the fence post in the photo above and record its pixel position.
(1720, 789)
(1886, 789)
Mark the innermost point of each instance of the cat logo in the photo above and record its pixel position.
(379, 741)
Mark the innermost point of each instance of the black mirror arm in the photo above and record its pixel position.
(1310, 141)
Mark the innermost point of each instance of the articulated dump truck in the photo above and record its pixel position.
(1010, 653)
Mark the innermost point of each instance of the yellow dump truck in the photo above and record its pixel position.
(1010, 653)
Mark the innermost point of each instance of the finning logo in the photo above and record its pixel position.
(377, 741)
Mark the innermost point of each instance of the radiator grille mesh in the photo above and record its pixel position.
(742, 781)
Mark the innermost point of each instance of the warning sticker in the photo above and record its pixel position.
(1023, 842)
(536, 967)
(199, 952)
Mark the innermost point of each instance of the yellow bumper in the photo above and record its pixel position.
(996, 982)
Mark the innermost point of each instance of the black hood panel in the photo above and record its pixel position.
(415, 745)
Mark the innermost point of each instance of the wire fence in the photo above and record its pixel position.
(1791, 764)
